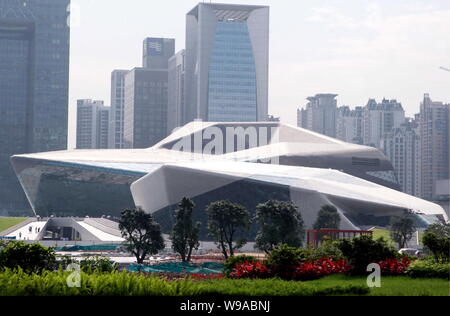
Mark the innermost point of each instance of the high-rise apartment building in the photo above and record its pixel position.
(117, 109)
(320, 114)
(402, 147)
(227, 63)
(176, 100)
(379, 119)
(146, 93)
(92, 124)
(34, 77)
(349, 124)
(434, 128)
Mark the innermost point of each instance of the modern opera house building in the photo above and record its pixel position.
(247, 163)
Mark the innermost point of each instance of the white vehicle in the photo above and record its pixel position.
(408, 251)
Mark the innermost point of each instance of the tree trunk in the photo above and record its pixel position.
(189, 254)
(231, 249)
(224, 250)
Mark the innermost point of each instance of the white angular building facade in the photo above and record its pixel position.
(247, 163)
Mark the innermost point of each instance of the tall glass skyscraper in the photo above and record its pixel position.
(227, 61)
(34, 76)
(115, 138)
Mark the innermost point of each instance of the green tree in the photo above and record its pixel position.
(402, 229)
(437, 240)
(185, 234)
(280, 223)
(441, 230)
(225, 221)
(142, 234)
(328, 218)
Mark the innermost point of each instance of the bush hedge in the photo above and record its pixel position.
(89, 264)
(28, 257)
(283, 260)
(327, 249)
(429, 268)
(364, 250)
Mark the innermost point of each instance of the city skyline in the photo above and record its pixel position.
(34, 74)
(239, 148)
(378, 40)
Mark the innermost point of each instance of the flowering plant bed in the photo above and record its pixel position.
(320, 268)
(251, 270)
(302, 271)
(394, 267)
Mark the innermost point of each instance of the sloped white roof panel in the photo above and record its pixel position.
(325, 181)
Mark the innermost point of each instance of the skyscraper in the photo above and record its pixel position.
(157, 52)
(146, 95)
(176, 108)
(103, 127)
(227, 63)
(145, 119)
(34, 76)
(434, 128)
(92, 124)
(117, 109)
(381, 118)
(320, 114)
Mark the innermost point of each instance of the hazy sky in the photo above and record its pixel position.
(359, 49)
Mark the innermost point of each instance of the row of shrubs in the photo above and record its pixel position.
(346, 256)
(429, 268)
(351, 257)
(36, 258)
(20, 283)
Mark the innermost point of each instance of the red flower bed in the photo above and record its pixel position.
(251, 270)
(320, 268)
(392, 267)
(206, 277)
(301, 272)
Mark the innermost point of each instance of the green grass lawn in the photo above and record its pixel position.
(7, 222)
(377, 233)
(386, 234)
(392, 286)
